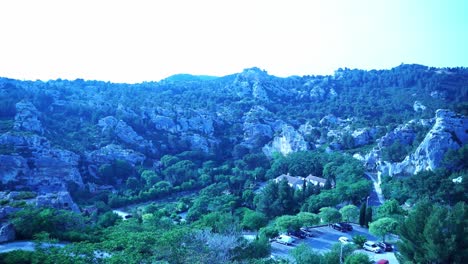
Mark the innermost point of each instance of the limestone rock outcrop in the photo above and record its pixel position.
(27, 118)
(113, 127)
(113, 152)
(58, 200)
(365, 136)
(449, 132)
(7, 232)
(288, 141)
(33, 162)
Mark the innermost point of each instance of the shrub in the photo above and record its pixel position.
(359, 240)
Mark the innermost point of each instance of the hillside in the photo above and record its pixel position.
(79, 144)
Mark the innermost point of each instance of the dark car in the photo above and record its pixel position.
(307, 231)
(339, 227)
(346, 226)
(299, 234)
(385, 246)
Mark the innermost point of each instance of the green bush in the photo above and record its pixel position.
(359, 240)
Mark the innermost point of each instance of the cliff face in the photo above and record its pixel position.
(450, 132)
(31, 160)
(288, 140)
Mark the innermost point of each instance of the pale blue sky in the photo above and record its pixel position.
(134, 41)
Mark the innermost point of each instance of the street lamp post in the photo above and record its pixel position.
(367, 201)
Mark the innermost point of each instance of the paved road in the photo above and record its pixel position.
(26, 246)
(323, 240)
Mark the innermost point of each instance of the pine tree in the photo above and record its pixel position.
(362, 215)
(368, 218)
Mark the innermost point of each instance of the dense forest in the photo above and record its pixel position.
(193, 161)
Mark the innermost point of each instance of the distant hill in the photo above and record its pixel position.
(188, 78)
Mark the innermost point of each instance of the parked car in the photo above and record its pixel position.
(383, 261)
(284, 239)
(299, 234)
(385, 246)
(338, 227)
(372, 247)
(307, 231)
(346, 226)
(345, 240)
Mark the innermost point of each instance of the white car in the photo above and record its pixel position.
(284, 239)
(372, 247)
(345, 240)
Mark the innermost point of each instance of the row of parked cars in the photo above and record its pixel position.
(291, 236)
(370, 245)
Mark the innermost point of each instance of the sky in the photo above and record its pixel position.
(136, 41)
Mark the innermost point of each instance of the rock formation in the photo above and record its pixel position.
(7, 232)
(448, 133)
(27, 118)
(114, 128)
(34, 163)
(289, 140)
(113, 152)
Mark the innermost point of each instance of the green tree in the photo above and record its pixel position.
(254, 220)
(108, 219)
(368, 218)
(169, 160)
(433, 233)
(330, 215)
(308, 219)
(303, 254)
(383, 226)
(267, 200)
(358, 258)
(132, 183)
(390, 208)
(286, 197)
(359, 240)
(362, 215)
(288, 223)
(180, 172)
(269, 231)
(150, 177)
(349, 213)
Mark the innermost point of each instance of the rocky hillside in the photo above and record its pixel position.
(58, 135)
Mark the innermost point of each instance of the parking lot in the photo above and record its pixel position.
(325, 237)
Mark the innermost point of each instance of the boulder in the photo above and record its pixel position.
(7, 232)
(27, 118)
